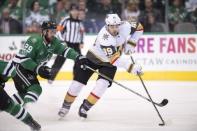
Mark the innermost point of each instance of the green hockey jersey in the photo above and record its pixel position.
(6, 70)
(35, 52)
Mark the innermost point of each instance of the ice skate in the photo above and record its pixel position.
(33, 125)
(64, 110)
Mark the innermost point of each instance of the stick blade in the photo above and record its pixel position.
(161, 124)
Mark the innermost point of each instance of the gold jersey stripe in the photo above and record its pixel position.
(114, 57)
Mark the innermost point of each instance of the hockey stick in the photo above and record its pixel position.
(163, 122)
(163, 103)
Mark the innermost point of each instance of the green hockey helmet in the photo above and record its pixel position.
(48, 25)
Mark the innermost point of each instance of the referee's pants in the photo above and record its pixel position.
(59, 61)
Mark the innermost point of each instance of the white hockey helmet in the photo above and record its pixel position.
(112, 19)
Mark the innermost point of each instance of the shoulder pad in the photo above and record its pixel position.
(139, 27)
(34, 39)
(136, 26)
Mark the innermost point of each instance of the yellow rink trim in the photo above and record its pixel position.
(167, 75)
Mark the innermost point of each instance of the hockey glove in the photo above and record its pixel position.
(2, 85)
(81, 61)
(137, 70)
(44, 72)
(2, 81)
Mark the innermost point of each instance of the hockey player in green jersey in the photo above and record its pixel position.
(31, 60)
(9, 106)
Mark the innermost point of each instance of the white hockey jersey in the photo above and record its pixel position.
(108, 48)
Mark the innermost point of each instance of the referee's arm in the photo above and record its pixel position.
(61, 29)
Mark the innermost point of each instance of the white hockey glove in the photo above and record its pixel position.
(137, 70)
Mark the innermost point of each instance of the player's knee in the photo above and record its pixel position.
(101, 87)
(73, 92)
(75, 88)
(33, 93)
(102, 83)
(36, 89)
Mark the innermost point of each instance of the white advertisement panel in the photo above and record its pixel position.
(168, 52)
(164, 52)
(10, 45)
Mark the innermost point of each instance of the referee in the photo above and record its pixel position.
(71, 31)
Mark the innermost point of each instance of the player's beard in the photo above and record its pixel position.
(115, 33)
(47, 38)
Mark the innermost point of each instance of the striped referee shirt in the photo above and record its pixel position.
(70, 30)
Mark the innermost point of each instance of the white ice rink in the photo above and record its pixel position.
(118, 110)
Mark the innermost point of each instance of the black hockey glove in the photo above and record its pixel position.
(44, 72)
(81, 61)
(2, 85)
(2, 81)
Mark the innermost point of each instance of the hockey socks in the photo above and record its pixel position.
(69, 98)
(18, 98)
(21, 114)
(73, 91)
(92, 98)
(32, 94)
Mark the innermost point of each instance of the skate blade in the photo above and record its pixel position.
(82, 118)
(60, 118)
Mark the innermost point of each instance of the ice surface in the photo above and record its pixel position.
(118, 110)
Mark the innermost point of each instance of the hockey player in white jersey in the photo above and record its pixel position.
(115, 38)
